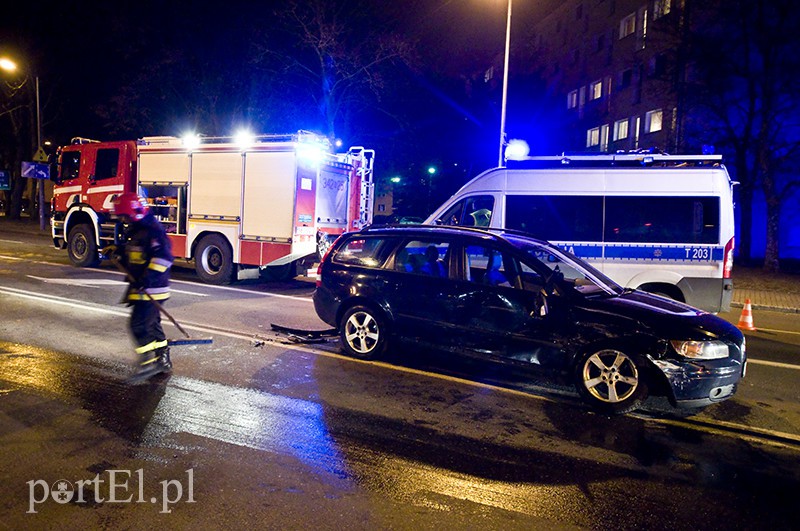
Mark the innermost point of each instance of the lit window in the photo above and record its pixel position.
(627, 26)
(595, 90)
(661, 8)
(572, 99)
(652, 121)
(621, 129)
(604, 137)
(593, 137)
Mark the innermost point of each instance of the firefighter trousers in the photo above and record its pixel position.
(146, 328)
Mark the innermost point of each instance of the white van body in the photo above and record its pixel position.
(659, 223)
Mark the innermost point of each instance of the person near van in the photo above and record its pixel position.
(146, 254)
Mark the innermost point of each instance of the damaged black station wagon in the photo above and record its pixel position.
(505, 297)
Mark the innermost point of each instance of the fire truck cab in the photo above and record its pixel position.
(271, 204)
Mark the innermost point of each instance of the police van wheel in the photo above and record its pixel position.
(611, 381)
(213, 260)
(81, 247)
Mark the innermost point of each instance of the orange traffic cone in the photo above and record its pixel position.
(746, 319)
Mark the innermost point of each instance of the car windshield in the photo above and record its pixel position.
(583, 277)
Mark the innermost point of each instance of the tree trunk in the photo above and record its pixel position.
(772, 250)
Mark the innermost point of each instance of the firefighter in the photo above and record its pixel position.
(147, 255)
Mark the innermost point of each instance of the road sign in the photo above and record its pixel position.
(40, 156)
(34, 170)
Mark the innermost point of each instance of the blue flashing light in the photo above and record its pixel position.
(517, 149)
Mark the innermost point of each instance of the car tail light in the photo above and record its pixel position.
(727, 265)
(318, 283)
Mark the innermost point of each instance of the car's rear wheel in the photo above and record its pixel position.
(611, 381)
(363, 333)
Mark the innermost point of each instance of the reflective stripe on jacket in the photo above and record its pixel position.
(147, 254)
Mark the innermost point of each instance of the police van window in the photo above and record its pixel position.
(556, 218)
(475, 211)
(70, 164)
(368, 252)
(424, 258)
(106, 164)
(662, 219)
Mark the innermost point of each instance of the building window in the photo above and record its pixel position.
(621, 129)
(661, 8)
(627, 26)
(593, 137)
(596, 90)
(658, 65)
(625, 78)
(604, 137)
(601, 42)
(652, 121)
(381, 208)
(572, 99)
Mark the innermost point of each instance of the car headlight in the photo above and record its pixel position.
(701, 350)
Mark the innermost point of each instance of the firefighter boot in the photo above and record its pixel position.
(163, 359)
(149, 366)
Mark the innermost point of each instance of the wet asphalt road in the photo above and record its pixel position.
(253, 432)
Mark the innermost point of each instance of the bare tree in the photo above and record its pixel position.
(333, 55)
(748, 96)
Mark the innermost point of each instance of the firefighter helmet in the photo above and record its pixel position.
(130, 205)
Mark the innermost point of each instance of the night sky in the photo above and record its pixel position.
(89, 55)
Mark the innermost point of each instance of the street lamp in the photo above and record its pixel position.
(10, 66)
(505, 88)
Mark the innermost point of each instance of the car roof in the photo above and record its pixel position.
(450, 230)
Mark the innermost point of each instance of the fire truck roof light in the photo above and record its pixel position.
(311, 153)
(245, 139)
(191, 140)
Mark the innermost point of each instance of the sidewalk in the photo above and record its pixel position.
(780, 300)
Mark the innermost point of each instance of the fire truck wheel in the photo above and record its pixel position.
(214, 260)
(81, 247)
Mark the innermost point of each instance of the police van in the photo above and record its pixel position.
(655, 222)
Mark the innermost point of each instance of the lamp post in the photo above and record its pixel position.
(505, 88)
(10, 66)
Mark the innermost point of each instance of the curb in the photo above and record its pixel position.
(754, 306)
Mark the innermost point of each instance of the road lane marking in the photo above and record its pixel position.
(719, 427)
(101, 282)
(11, 241)
(773, 364)
(172, 281)
(776, 331)
(41, 297)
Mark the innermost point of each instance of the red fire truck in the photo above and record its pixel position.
(272, 203)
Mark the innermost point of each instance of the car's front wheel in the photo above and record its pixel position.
(363, 333)
(611, 381)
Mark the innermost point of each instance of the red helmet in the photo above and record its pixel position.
(130, 205)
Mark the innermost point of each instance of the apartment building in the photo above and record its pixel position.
(617, 67)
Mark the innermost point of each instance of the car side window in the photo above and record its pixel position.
(424, 258)
(368, 252)
(491, 267)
